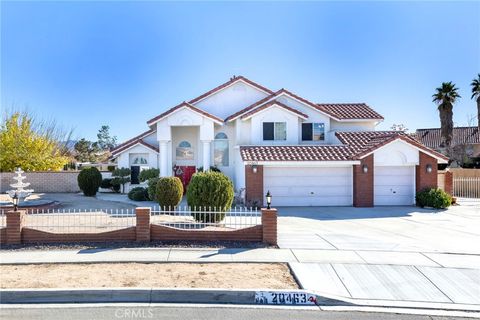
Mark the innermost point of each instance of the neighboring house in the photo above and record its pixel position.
(304, 153)
(465, 142)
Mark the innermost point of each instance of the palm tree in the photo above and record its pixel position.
(476, 94)
(445, 96)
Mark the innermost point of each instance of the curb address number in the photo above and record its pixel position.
(295, 298)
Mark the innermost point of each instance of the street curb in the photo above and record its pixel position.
(143, 295)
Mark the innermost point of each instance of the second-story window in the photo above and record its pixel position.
(313, 131)
(274, 131)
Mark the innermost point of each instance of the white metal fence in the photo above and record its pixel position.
(468, 187)
(206, 218)
(79, 221)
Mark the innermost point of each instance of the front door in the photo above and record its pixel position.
(185, 174)
(135, 171)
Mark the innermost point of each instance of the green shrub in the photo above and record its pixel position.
(210, 191)
(110, 168)
(120, 177)
(106, 183)
(212, 168)
(434, 197)
(169, 191)
(152, 188)
(89, 180)
(138, 194)
(148, 174)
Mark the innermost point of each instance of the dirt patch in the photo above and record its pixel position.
(171, 275)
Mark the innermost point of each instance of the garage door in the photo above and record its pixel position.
(394, 186)
(309, 186)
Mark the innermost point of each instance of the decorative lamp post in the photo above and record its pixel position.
(15, 200)
(269, 199)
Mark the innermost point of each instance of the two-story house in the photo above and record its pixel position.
(304, 153)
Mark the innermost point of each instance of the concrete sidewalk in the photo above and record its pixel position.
(415, 279)
(241, 255)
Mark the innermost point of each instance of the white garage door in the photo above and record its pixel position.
(394, 186)
(309, 186)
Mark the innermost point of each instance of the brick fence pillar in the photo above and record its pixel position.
(448, 182)
(14, 227)
(143, 224)
(269, 226)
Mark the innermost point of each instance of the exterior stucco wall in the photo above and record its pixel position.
(231, 99)
(124, 158)
(274, 114)
(397, 153)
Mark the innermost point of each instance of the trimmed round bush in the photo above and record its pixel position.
(106, 183)
(169, 191)
(148, 174)
(210, 191)
(89, 180)
(434, 197)
(138, 194)
(152, 188)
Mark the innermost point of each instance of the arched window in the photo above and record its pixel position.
(220, 150)
(184, 151)
(184, 144)
(140, 160)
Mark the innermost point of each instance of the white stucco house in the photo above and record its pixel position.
(304, 153)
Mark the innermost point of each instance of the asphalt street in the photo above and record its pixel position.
(197, 313)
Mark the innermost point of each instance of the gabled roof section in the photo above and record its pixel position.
(232, 80)
(270, 97)
(336, 111)
(432, 138)
(180, 106)
(252, 106)
(116, 152)
(271, 104)
(133, 140)
(350, 111)
(364, 143)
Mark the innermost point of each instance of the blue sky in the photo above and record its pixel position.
(121, 63)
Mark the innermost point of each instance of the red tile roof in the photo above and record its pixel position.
(365, 142)
(461, 135)
(295, 153)
(271, 103)
(226, 84)
(349, 111)
(183, 105)
(356, 146)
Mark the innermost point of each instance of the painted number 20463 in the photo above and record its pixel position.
(295, 298)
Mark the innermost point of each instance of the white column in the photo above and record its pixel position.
(206, 155)
(163, 158)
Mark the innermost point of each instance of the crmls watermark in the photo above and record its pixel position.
(131, 313)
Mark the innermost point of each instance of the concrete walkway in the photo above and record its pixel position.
(372, 277)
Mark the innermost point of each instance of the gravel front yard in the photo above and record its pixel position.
(160, 275)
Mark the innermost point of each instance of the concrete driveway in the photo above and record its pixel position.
(406, 229)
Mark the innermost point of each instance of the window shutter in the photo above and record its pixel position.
(306, 131)
(268, 131)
